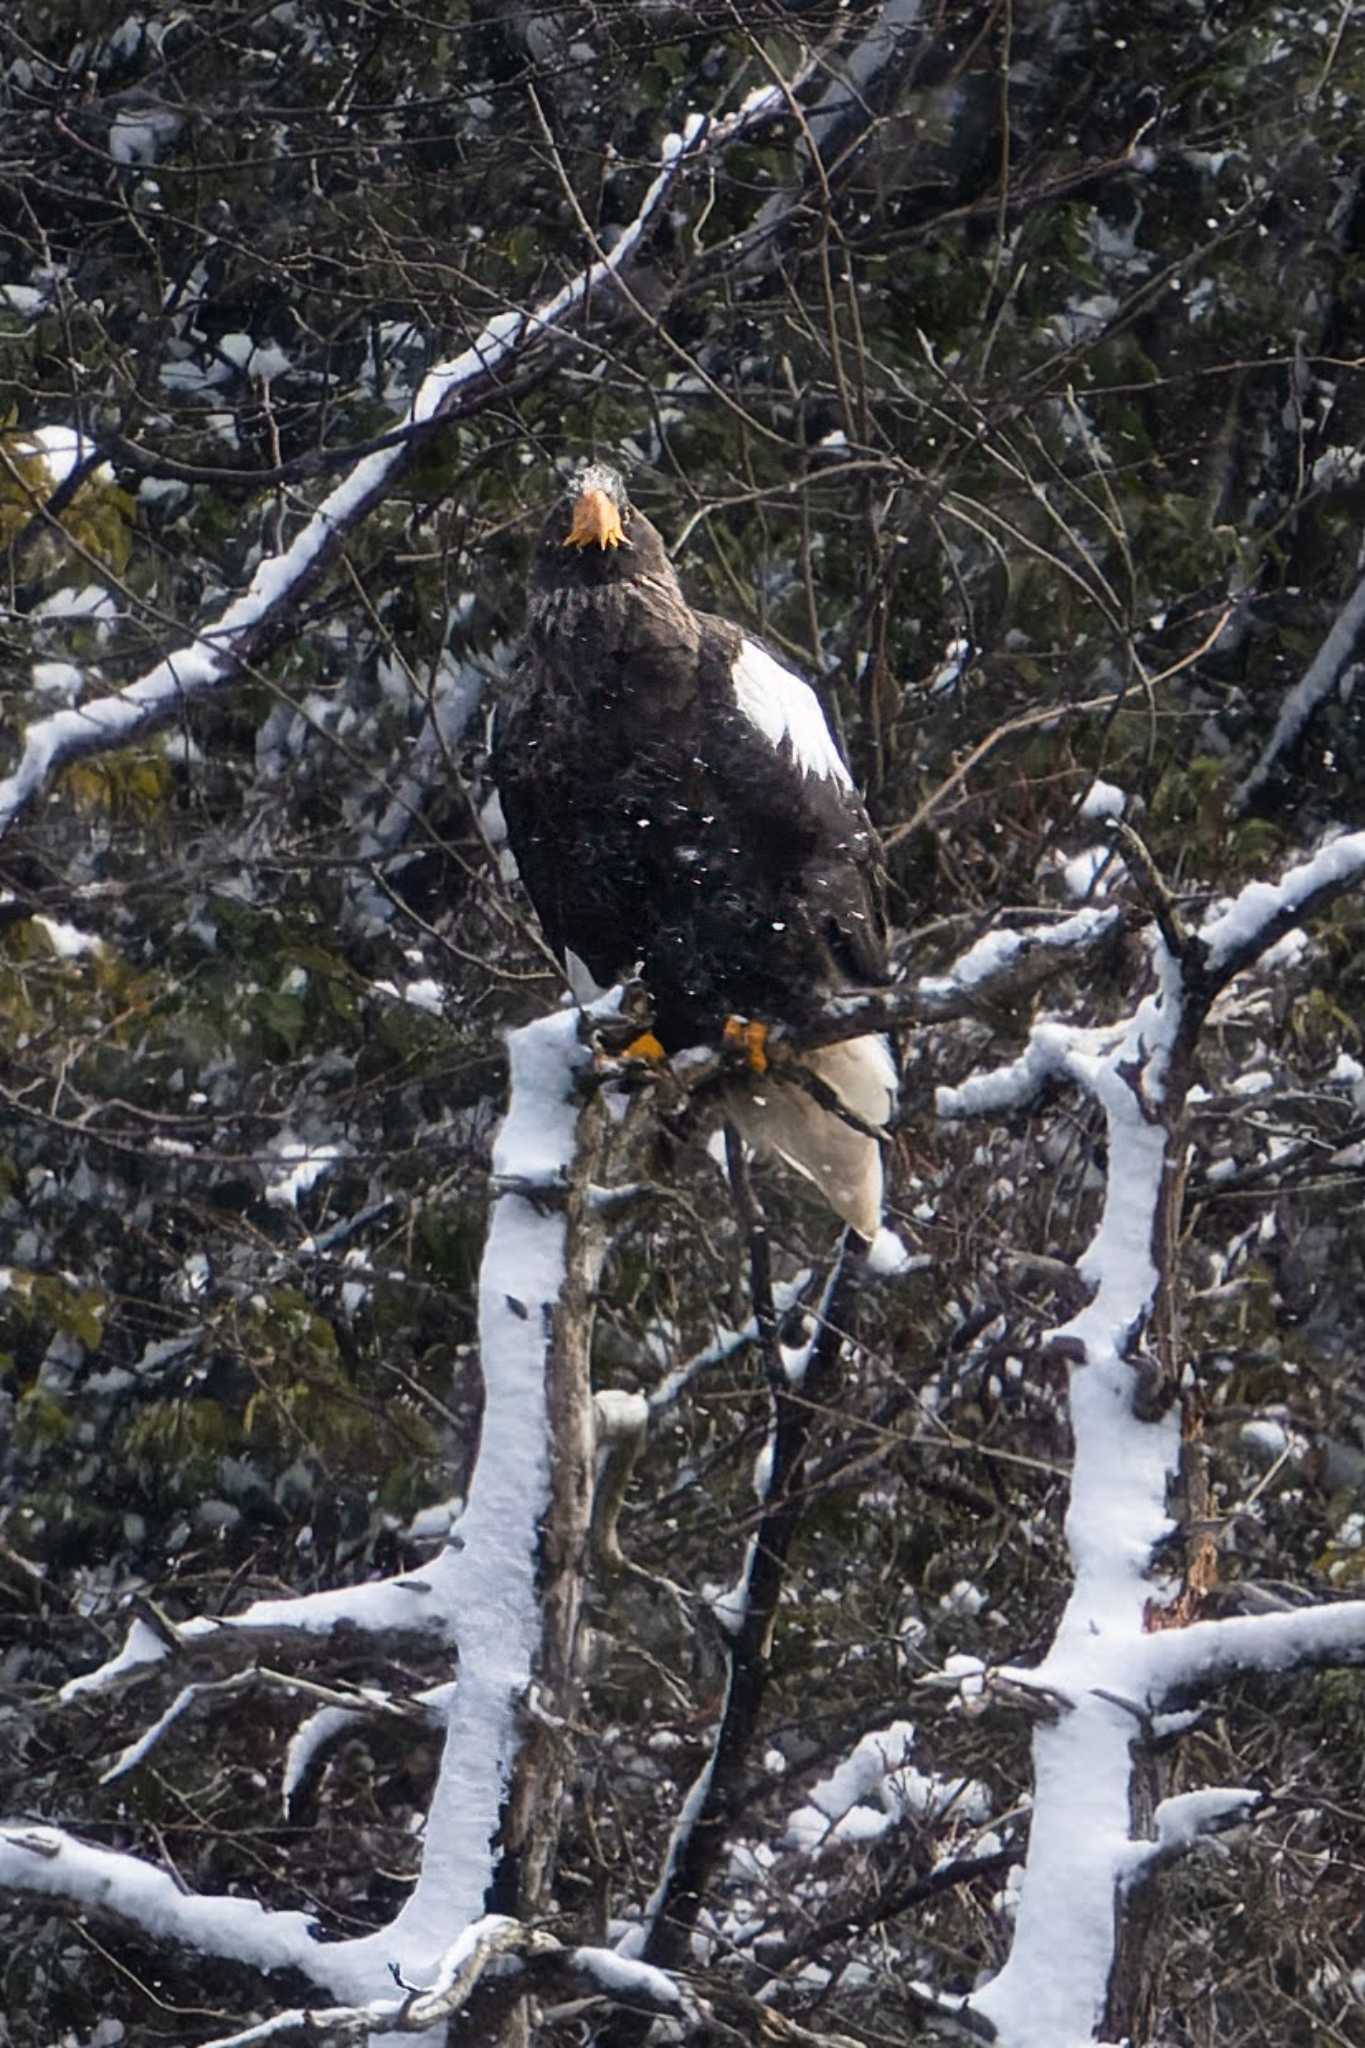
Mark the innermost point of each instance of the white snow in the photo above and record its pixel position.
(891, 24)
(424, 994)
(619, 1414)
(1334, 867)
(58, 679)
(949, 671)
(67, 942)
(319, 1729)
(1266, 1440)
(1102, 1657)
(1254, 1642)
(1082, 873)
(786, 1293)
(874, 1789)
(23, 299)
(91, 601)
(996, 952)
(188, 377)
(635, 1937)
(494, 1614)
(622, 1978)
(1317, 683)
(46, 1861)
(163, 490)
(62, 448)
(1181, 1820)
(430, 1524)
(1079, 1842)
(260, 360)
(886, 1255)
(480, 1596)
(138, 133)
(306, 1164)
(1103, 800)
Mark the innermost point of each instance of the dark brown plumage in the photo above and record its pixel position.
(678, 809)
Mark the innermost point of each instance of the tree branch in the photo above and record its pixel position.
(255, 623)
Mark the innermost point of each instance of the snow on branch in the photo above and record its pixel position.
(1192, 1817)
(1207, 1651)
(417, 1603)
(1012, 962)
(1325, 674)
(1117, 1655)
(1050, 1057)
(1001, 965)
(258, 619)
(345, 1707)
(1197, 969)
(480, 1597)
(497, 1955)
(859, 85)
(1262, 912)
(48, 1863)
(1079, 1841)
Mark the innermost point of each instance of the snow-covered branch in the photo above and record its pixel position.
(346, 1708)
(257, 620)
(1208, 1651)
(1110, 1659)
(1261, 913)
(1325, 675)
(481, 1596)
(525, 1956)
(1118, 1514)
(49, 1863)
(413, 1605)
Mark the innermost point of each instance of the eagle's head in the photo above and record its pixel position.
(598, 509)
(594, 537)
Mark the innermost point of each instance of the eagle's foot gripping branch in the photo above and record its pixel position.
(645, 1048)
(745, 1035)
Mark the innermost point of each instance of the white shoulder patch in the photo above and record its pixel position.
(786, 710)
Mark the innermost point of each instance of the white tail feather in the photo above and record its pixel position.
(779, 1116)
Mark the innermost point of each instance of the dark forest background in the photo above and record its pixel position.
(1010, 382)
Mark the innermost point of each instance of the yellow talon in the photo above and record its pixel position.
(745, 1034)
(647, 1048)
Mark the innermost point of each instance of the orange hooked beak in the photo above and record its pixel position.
(595, 521)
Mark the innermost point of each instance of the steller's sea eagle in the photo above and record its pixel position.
(678, 810)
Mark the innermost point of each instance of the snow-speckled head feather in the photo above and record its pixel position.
(595, 538)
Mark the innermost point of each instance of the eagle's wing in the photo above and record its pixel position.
(787, 712)
(844, 881)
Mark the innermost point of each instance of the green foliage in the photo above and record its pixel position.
(97, 519)
(54, 1304)
(127, 785)
(179, 1442)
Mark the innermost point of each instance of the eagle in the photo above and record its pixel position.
(679, 812)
